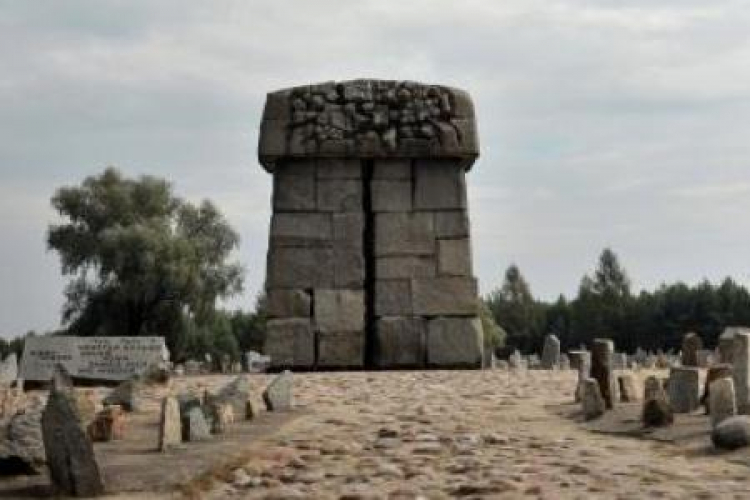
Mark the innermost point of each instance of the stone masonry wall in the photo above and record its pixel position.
(369, 260)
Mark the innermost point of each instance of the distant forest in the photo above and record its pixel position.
(606, 307)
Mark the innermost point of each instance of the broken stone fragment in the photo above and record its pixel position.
(278, 395)
(70, 456)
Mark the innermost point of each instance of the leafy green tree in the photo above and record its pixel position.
(601, 307)
(142, 261)
(515, 310)
(494, 335)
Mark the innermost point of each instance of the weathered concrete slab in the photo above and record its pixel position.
(97, 358)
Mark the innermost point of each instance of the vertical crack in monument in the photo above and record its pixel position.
(369, 261)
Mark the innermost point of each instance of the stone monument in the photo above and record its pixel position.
(369, 260)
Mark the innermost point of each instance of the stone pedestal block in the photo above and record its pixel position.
(281, 303)
(290, 343)
(401, 342)
(300, 268)
(339, 310)
(393, 298)
(438, 185)
(454, 343)
(341, 349)
(370, 233)
(444, 296)
(454, 257)
(404, 233)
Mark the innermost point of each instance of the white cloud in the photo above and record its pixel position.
(602, 123)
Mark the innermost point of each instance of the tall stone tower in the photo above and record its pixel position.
(369, 260)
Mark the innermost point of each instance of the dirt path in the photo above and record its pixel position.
(483, 434)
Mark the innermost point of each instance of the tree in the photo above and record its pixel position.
(494, 335)
(140, 259)
(601, 308)
(515, 310)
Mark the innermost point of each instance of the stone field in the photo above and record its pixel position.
(418, 434)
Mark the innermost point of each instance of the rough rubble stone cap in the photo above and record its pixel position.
(368, 119)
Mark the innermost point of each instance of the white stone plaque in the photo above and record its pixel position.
(100, 358)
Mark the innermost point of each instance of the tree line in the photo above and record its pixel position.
(605, 306)
(142, 261)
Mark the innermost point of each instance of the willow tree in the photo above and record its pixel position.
(141, 261)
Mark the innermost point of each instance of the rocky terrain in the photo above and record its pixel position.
(477, 434)
(424, 434)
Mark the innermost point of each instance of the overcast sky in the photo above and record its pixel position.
(600, 125)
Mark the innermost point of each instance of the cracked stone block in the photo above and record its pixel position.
(452, 224)
(405, 267)
(301, 229)
(294, 186)
(341, 349)
(290, 343)
(348, 267)
(393, 298)
(339, 310)
(404, 233)
(454, 257)
(348, 229)
(281, 303)
(391, 195)
(439, 185)
(297, 267)
(454, 343)
(401, 342)
(339, 168)
(392, 169)
(442, 296)
(339, 195)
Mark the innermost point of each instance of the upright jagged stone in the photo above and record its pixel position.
(684, 388)
(70, 455)
(601, 370)
(691, 345)
(741, 369)
(8, 369)
(278, 396)
(551, 352)
(722, 400)
(369, 254)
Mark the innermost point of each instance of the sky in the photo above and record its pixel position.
(602, 123)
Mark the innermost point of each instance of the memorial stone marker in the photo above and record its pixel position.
(691, 344)
(601, 369)
(684, 388)
(95, 358)
(369, 261)
(8, 370)
(741, 369)
(722, 400)
(551, 352)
